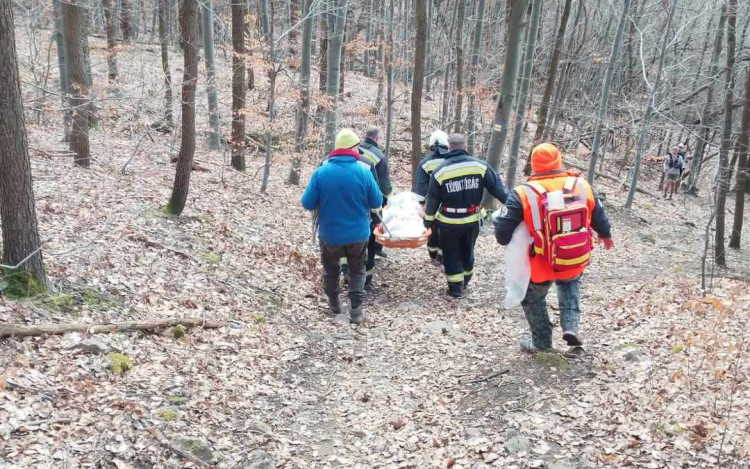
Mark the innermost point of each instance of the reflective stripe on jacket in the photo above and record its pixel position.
(427, 165)
(458, 184)
(373, 155)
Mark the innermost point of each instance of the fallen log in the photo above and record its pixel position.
(57, 329)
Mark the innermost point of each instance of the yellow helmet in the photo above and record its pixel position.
(346, 138)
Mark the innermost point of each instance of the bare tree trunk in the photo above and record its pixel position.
(461, 5)
(471, 117)
(17, 204)
(79, 101)
(552, 73)
(444, 119)
(743, 146)
(126, 15)
(293, 20)
(62, 70)
(190, 41)
(324, 44)
(111, 41)
(389, 94)
(336, 38)
(420, 46)
(726, 138)
(269, 9)
(303, 115)
(342, 65)
(528, 67)
(428, 65)
(164, 20)
(640, 150)
(501, 119)
(238, 85)
(381, 58)
(265, 15)
(214, 135)
(606, 84)
(368, 37)
(695, 165)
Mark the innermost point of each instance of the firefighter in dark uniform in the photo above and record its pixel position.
(454, 198)
(373, 158)
(438, 149)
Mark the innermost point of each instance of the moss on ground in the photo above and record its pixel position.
(257, 317)
(168, 414)
(552, 359)
(209, 258)
(178, 331)
(119, 363)
(17, 284)
(627, 345)
(58, 301)
(169, 210)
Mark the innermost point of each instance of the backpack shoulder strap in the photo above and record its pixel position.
(537, 186)
(575, 182)
(531, 198)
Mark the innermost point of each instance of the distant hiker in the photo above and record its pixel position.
(673, 166)
(438, 149)
(453, 204)
(343, 192)
(558, 208)
(373, 159)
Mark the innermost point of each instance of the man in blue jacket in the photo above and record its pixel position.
(343, 192)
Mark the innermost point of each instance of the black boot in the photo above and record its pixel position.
(335, 304)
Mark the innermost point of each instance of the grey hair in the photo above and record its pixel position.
(456, 142)
(372, 132)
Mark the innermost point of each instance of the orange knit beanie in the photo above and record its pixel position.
(545, 157)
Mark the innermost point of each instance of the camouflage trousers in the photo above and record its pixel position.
(535, 309)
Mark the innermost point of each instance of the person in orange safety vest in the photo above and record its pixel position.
(559, 209)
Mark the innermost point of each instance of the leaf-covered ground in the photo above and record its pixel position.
(663, 382)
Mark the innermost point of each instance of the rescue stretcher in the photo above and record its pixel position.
(400, 243)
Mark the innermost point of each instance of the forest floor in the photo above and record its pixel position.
(427, 382)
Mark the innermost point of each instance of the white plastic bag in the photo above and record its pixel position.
(517, 266)
(402, 216)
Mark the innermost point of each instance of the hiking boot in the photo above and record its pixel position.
(335, 304)
(357, 315)
(572, 339)
(381, 253)
(527, 345)
(456, 293)
(368, 282)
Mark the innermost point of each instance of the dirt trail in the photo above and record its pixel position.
(395, 394)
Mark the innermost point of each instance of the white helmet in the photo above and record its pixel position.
(439, 137)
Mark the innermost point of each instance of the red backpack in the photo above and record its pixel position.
(562, 234)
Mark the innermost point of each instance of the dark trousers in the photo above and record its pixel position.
(457, 244)
(372, 248)
(535, 308)
(433, 244)
(330, 257)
